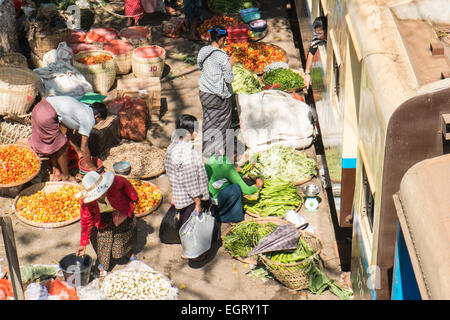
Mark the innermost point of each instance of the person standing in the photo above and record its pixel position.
(215, 92)
(320, 38)
(47, 139)
(185, 170)
(134, 11)
(107, 217)
(193, 11)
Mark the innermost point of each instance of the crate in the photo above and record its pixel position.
(104, 135)
(152, 92)
(237, 33)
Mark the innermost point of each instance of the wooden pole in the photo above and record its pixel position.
(11, 255)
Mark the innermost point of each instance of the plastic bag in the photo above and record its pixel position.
(36, 292)
(196, 234)
(60, 289)
(170, 227)
(92, 291)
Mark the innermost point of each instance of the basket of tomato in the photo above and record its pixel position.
(49, 204)
(18, 165)
(150, 197)
(98, 67)
(255, 56)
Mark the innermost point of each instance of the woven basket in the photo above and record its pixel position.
(10, 132)
(252, 260)
(29, 178)
(41, 44)
(148, 67)
(46, 187)
(140, 215)
(100, 76)
(137, 40)
(36, 61)
(292, 275)
(18, 90)
(123, 63)
(15, 59)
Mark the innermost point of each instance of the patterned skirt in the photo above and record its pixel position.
(114, 242)
(216, 122)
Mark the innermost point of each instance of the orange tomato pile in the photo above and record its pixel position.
(149, 196)
(223, 21)
(50, 207)
(254, 56)
(95, 59)
(17, 164)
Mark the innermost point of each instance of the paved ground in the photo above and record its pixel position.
(220, 277)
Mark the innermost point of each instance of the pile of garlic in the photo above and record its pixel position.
(142, 285)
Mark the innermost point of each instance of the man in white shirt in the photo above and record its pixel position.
(47, 140)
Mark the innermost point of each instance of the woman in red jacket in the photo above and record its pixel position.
(107, 217)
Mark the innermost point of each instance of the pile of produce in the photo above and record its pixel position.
(6, 291)
(245, 82)
(17, 164)
(137, 285)
(282, 162)
(255, 56)
(223, 21)
(50, 207)
(149, 196)
(95, 59)
(230, 6)
(101, 35)
(146, 160)
(275, 199)
(286, 78)
(302, 252)
(118, 47)
(245, 235)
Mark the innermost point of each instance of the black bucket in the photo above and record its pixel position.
(76, 269)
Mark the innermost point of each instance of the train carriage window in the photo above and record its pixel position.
(336, 72)
(368, 198)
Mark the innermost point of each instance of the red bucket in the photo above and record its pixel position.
(98, 163)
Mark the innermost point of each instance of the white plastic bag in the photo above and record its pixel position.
(92, 291)
(196, 234)
(36, 292)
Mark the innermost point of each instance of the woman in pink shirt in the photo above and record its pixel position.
(107, 217)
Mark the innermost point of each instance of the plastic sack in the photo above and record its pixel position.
(92, 291)
(60, 290)
(36, 292)
(196, 234)
(62, 52)
(260, 130)
(170, 227)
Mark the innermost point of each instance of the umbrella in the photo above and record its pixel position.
(284, 237)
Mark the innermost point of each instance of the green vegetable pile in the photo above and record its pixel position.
(302, 252)
(245, 82)
(275, 199)
(245, 236)
(230, 6)
(286, 78)
(281, 162)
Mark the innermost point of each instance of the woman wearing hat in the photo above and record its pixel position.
(107, 217)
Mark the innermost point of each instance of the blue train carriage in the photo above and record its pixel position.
(382, 96)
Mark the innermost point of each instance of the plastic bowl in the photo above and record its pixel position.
(311, 190)
(97, 162)
(122, 167)
(258, 25)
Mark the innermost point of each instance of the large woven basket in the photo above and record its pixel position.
(138, 36)
(29, 178)
(15, 59)
(253, 259)
(41, 44)
(140, 215)
(11, 131)
(46, 187)
(293, 275)
(148, 67)
(100, 76)
(123, 63)
(18, 89)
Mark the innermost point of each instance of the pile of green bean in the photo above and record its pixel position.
(275, 199)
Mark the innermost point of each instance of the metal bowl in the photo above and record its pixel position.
(311, 190)
(122, 167)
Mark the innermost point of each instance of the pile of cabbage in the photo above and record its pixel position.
(245, 82)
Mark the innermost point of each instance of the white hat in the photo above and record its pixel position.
(95, 185)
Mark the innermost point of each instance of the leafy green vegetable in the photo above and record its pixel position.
(286, 78)
(33, 272)
(284, 163)
(275, 199)
(245, 82)
(245, 236)
(300, 253)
